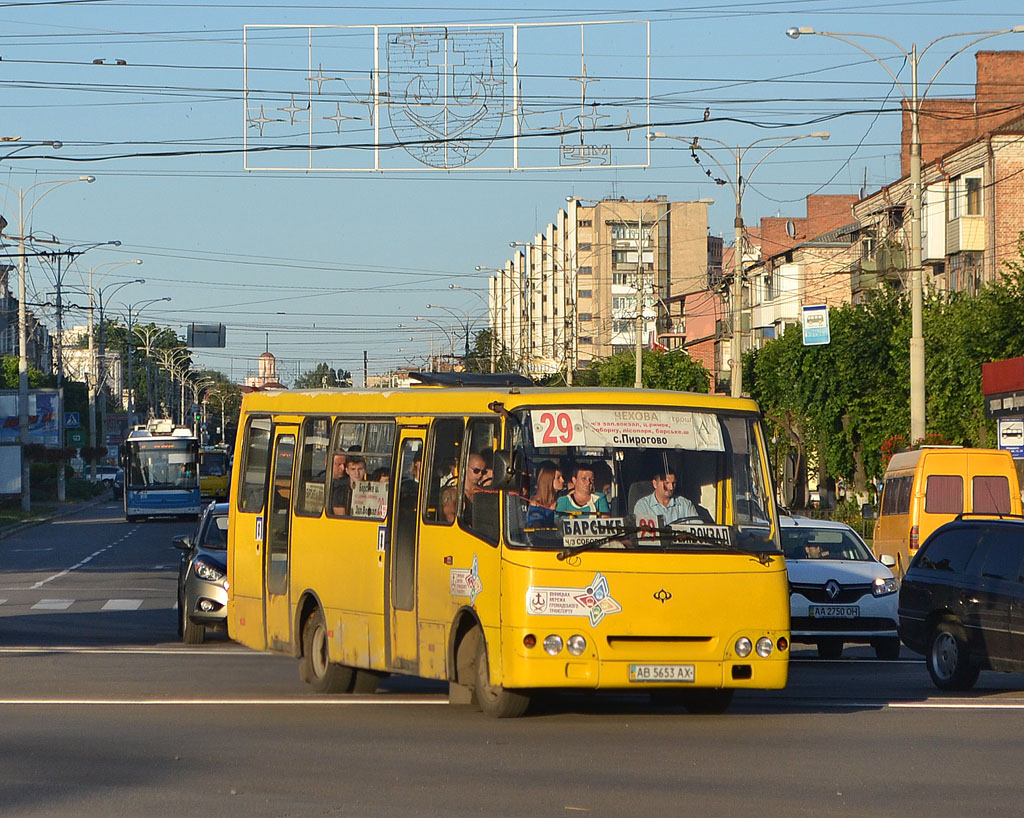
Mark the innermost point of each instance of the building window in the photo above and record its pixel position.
(622, 279)
(586, 294)
(624, 304)
(973, 196)
(584, 223)
(622, 326)
(584, 248)
(586, 316)
(584, 271)
(586, 339)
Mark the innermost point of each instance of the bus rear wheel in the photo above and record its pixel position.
(315, 666)
(495, 700)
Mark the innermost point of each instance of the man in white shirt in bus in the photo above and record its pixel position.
(663, 504)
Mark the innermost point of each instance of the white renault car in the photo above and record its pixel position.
(839, 592)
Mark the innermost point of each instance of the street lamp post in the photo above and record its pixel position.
(26, 490)
(464, 324)
(486, 304)
(130, 339)
(499, 309)
(738, 183)
(446, 331)
(913, 100)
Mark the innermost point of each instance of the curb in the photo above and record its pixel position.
(59, 513)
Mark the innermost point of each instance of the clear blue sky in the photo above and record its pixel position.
(330, 264)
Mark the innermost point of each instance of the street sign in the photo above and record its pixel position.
(72, 420)
(75, 437)
(1011, 436)
(815, 323)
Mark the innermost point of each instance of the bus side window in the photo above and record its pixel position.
(442, 471)
(479, 502)
(312, 467)
(255, 452)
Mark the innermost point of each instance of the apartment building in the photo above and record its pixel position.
(972, 187)
(596, 276)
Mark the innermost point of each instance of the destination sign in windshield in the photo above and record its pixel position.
(627, 428)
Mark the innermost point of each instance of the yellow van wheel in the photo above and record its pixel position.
(494, 699)
(315, 666)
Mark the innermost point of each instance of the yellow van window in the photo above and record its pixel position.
(896, 495)
(990, 494)
(944, 494)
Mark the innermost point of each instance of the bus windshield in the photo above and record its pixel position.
(162, 464)
(656, 479)
(213, 464)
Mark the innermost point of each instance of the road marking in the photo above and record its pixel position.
(85, 561)
(64, 649)
(436, 699)
(29, 550)
(89, 522)
(2, 601)
(122, 605)
(969, 705)
(53, 604)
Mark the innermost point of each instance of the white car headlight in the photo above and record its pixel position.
(883, 586)
(743, 647)
(764, 647)
(553, 644)
(207, 570)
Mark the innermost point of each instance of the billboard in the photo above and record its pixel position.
(44, 407)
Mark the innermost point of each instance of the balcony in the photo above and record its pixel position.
(966, 233)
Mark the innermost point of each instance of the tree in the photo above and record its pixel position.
(673, 370)
(322, 376)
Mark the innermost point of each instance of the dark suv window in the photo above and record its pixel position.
(948, 550)
(998, 555)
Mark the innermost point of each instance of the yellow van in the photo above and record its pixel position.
(930, 486)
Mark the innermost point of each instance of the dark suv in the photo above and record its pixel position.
(962, 600)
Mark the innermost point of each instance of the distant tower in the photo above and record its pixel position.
(267, 369)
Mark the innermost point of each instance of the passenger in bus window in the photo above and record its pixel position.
(663, 504)
(582, 501)
(475, 468)
(339, 483)
(449, 499)
(381, 475)
(549, 483)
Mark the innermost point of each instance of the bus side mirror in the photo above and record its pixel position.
(507, 476)
(867, 511)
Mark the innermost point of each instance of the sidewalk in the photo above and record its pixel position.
(55, 512)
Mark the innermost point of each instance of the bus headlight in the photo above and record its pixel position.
(576, 644)
(743, 647)
(764, 647)
(553, 644)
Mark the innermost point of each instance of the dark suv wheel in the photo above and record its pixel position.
(947, 659)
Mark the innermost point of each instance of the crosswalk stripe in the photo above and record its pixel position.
(122, 605)
(53, 604)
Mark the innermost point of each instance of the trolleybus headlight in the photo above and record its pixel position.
(764, 647)
(553, 644)
(743, 647)
(530, 640)
(576, 644)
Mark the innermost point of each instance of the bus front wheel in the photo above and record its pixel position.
(495, 700)
(315, 666)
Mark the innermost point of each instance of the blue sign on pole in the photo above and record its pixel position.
(72, 420)
(1011, 436)
(815, 324)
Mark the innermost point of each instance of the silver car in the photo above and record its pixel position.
(202, 576)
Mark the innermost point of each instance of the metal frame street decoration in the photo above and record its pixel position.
(435, 97)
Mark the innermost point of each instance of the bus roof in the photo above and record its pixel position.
(459, 400)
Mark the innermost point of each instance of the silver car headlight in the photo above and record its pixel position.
(883, 586)
(208, 570)
(576, 644)
(553, 644)
(743, 647)
(764, 647)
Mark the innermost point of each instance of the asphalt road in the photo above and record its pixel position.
(103, 712)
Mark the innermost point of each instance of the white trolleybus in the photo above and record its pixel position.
(161, 475)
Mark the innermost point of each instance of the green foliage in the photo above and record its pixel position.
(673, 370)
(322, 376)
(848, 401)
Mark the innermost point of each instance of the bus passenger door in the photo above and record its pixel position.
(277, 613)
(402, 552)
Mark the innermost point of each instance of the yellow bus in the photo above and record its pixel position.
(214, 470)
(502, 537)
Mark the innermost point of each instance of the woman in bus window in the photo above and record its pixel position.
(545, 495)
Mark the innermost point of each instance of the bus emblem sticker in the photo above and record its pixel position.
(594, 602)
(466, 582)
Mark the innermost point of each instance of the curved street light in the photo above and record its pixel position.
(464, 324)
(130, 339)
(23, 436)
(738, 183)
(913, 100)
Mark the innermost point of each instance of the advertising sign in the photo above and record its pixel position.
(815, 323)
(43, 408)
